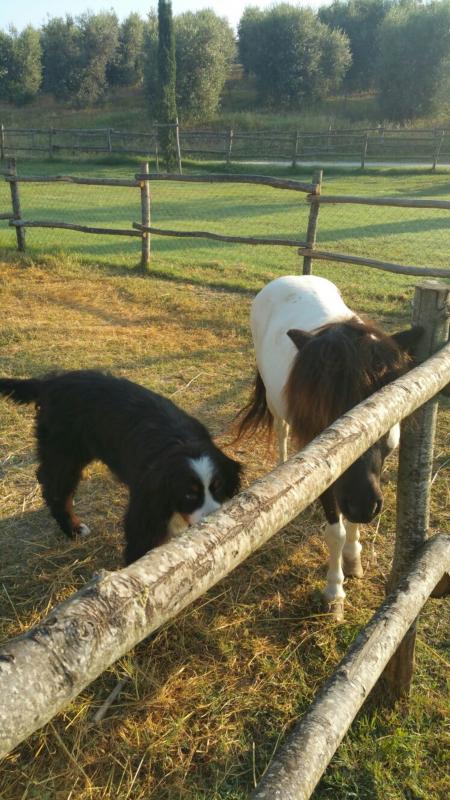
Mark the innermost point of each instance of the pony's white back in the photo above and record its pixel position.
(306, 302)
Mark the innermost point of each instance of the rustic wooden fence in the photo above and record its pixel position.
(115, 611)
(143, 230)
(429, 145)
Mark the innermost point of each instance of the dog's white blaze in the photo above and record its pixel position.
(204, 468)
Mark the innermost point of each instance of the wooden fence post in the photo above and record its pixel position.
(431, 309)
(109, 140)
(177, 133)
(15, 200)
(50, 142)
(230, 145)
(145, 217)
(364, 150)
(157, 148)
(312, 221)
(2, 142)
(295, 151)
(437, 149)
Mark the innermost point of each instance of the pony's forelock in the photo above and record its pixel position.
(341, 365)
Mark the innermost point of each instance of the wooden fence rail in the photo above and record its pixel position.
(143, 229)
(45, 668)
(298, 767)
(360, 145)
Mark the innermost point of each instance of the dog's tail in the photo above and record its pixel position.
(256, 414)
(21, 391)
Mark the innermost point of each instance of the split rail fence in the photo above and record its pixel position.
(429, 145)
(45, 668)
(144, 229)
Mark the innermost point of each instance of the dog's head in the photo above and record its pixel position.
(181, 487)
(200, 482)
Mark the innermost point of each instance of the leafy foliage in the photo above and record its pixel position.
(127, 68)
(414, 59)
(20, 65)
(360, 20)
(204, 49)
(293, 55)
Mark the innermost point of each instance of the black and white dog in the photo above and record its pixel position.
(175, 473)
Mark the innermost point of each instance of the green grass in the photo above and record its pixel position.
(211, 695)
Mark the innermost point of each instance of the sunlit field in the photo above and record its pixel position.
(210, 696)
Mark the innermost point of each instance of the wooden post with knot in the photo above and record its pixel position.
(145, 217)
(311, 232)
(431, 310)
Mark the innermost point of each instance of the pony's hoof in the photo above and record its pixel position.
(335, 608)
(352, 568)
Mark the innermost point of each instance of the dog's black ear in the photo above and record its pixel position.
(148, 514)
(231, 471)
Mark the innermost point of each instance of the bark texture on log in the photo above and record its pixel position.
(263, 180)
(386, 266)
(298, 767)
(42, 670)
(431, 310)
(218, 237)
(381, 201)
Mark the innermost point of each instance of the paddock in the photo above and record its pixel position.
(191, 385)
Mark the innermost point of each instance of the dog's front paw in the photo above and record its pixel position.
(82, 530)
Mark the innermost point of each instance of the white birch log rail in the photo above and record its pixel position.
(301, 761)
(44, 669)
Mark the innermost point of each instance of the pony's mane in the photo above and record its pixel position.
(340, 365)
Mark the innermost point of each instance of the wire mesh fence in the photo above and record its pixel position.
(410, 236)
(364, 145)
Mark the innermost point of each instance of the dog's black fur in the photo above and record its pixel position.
(144, 439)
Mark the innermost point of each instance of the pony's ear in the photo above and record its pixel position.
(300, 338)
(409, 339)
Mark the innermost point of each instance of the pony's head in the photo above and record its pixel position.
(336, 367)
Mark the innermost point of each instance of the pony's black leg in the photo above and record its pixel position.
(335, 539)
(146, 526)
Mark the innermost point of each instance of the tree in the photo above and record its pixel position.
(99, 36)
(297, 56)
(6, 62)
(127, 69)
(62, 57)
(414, 59)
(361, 21)
(21, 65)
(204, 49)
(249, 41)
(166, 103)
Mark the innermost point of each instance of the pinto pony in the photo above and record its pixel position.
(316, 359)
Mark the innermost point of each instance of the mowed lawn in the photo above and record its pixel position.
(209, 697)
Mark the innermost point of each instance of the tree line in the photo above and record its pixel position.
(399, 48)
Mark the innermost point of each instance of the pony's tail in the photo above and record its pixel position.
(256, 413)
(21, 391)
